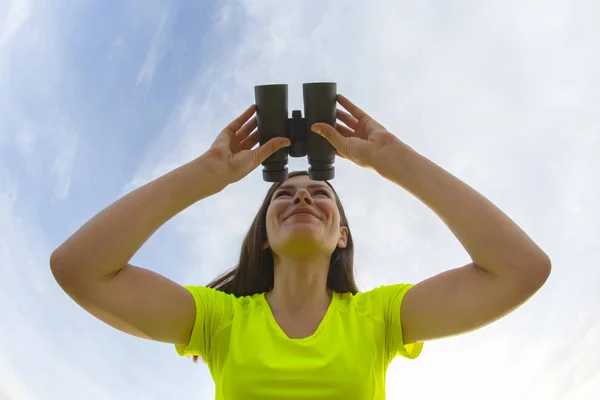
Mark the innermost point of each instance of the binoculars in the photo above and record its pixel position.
(272, 120)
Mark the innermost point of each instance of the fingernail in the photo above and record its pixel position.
(316, 129)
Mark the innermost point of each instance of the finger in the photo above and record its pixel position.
(333, 136)
(348, 105)
(265, 150)
(246, 129)
(237, 123)
(344, 130)
(346, 118)
(250, 141)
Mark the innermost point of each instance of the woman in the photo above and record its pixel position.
(288, 321)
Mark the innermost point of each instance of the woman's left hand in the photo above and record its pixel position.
(363, 140)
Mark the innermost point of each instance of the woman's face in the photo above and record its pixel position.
(304, 235)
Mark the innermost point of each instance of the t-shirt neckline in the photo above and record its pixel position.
(320, 327)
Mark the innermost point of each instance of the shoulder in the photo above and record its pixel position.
(206, 293)
(378, 294)
(214, 298)
(376, 301)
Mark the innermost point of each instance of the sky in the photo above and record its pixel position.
(100, 97)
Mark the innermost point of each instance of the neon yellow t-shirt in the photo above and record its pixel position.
(250, 357)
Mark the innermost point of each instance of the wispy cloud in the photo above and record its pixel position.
(34, 103)
(488, 92)
(158, 47)
(62, 168)
(15, 14)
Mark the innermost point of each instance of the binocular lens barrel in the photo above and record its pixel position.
(272, 120)
(319, 106)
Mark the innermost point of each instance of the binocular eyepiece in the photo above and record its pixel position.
(272, 120)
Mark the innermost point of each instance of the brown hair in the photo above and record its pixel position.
(254, 272)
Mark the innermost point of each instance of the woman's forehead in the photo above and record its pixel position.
(302, 181)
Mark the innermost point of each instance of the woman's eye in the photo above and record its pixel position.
(318, 191)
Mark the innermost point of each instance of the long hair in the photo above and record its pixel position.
(254, 273)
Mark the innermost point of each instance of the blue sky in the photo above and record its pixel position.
(98, 98)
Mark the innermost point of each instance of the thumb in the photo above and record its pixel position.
(266, 150)
(333, 136)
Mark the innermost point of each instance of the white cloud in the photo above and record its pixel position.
(489, 92)
(62, 168)
(35, 84)
(11, 386)
(158, 47)
(16, 12)
(502, 95)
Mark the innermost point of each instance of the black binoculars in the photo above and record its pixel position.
(272, 120)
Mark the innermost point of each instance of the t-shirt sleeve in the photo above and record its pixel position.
(213, 310)
(391, 302)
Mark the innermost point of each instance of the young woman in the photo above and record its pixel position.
(288, 321)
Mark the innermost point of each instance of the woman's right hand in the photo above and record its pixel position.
(231, 156)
